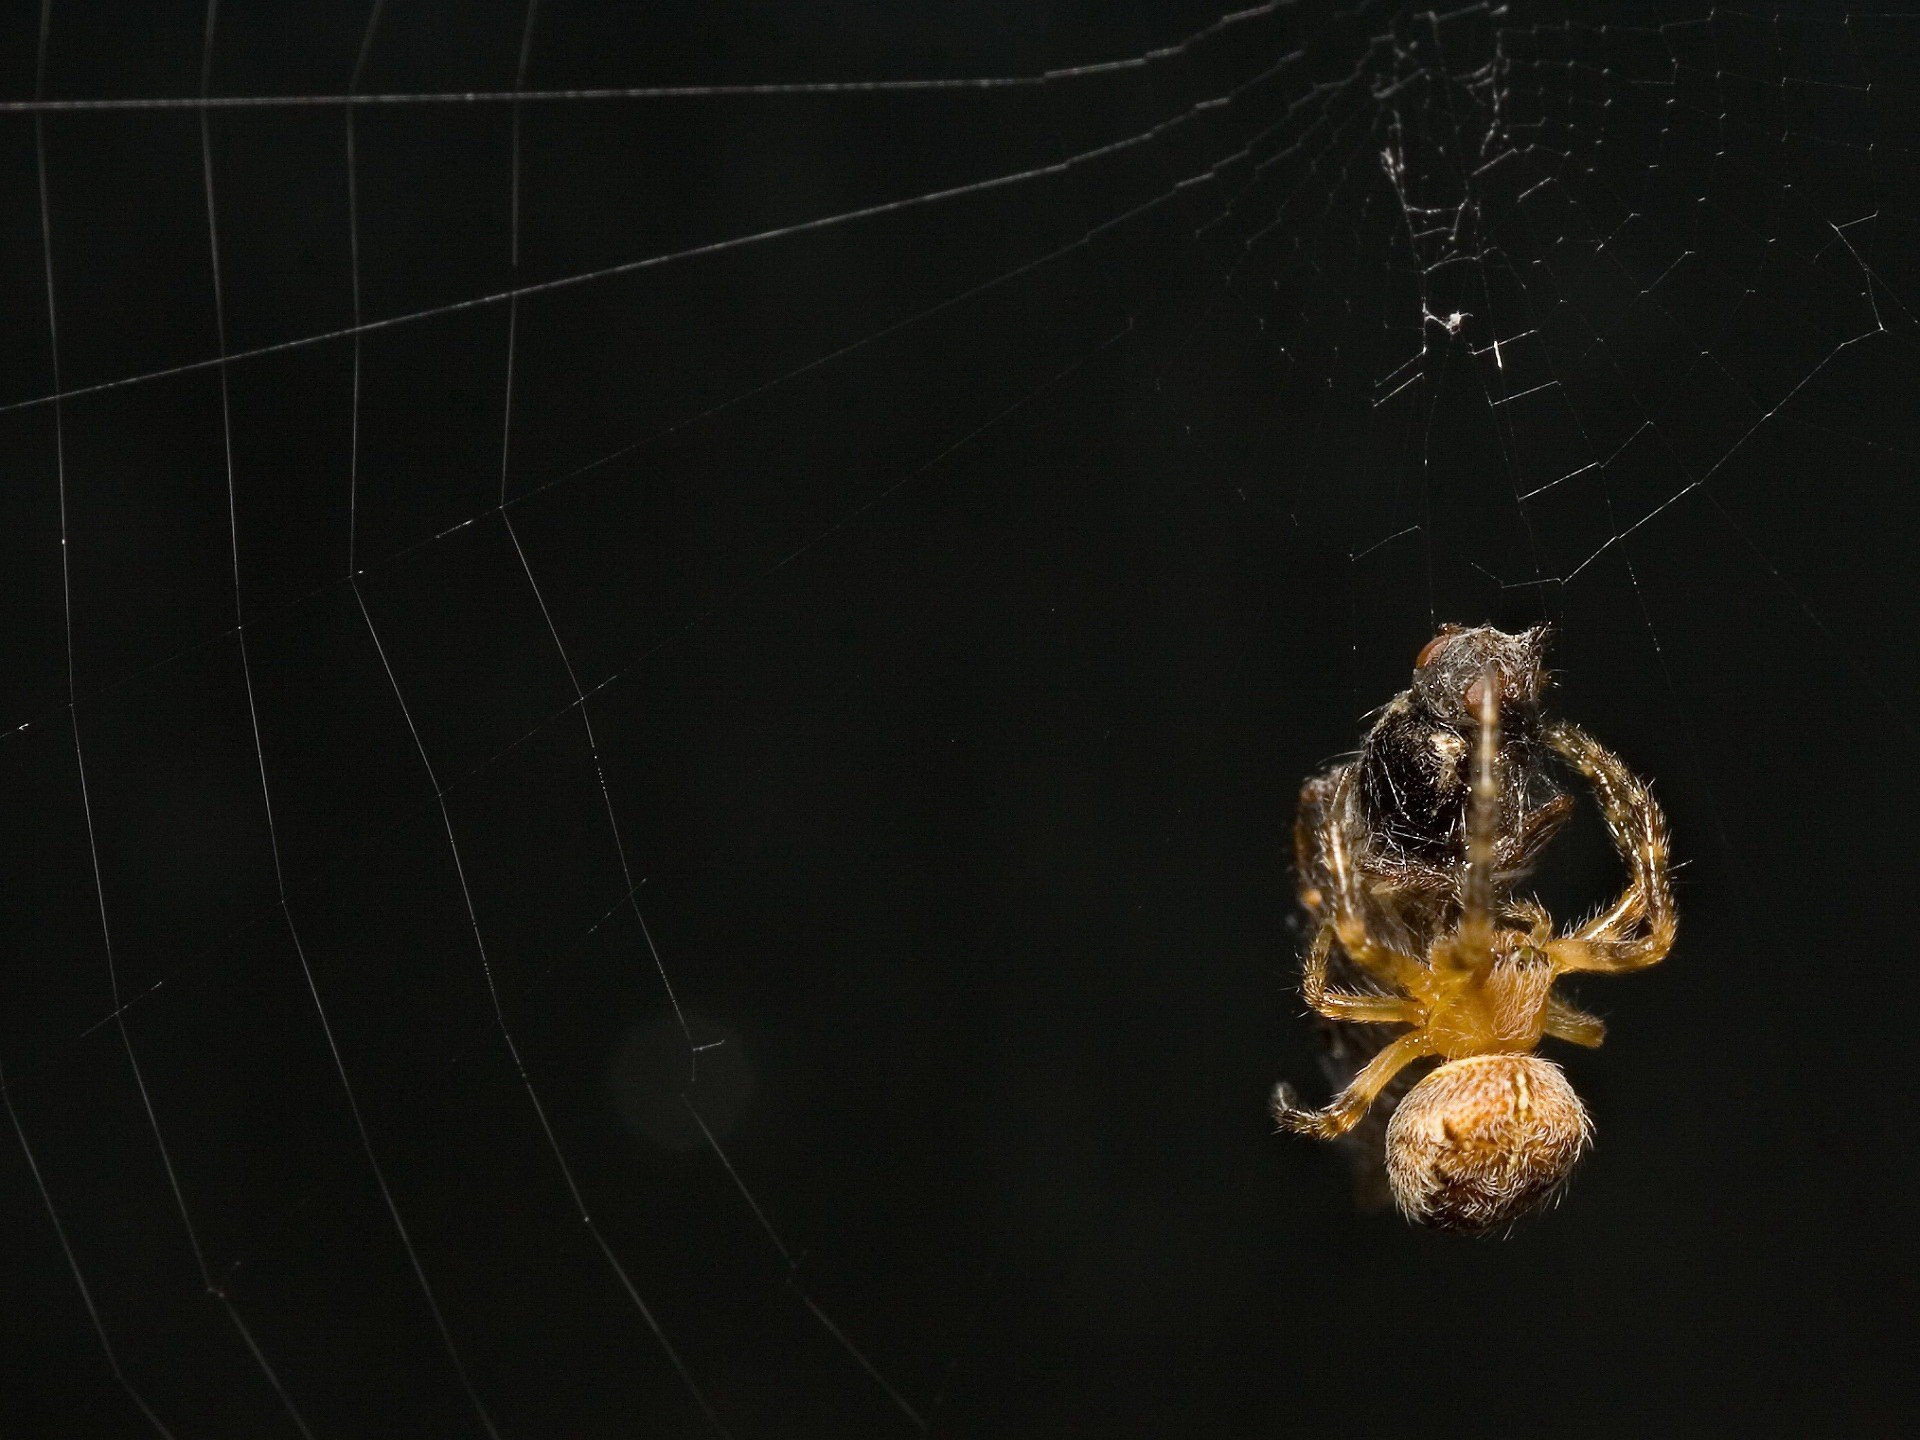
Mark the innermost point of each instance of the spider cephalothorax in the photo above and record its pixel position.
(1430, 937)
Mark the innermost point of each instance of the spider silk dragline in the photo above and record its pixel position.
(1408, 858)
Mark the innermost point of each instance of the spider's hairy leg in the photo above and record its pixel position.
(1639, 830)
(1475, 936)
(1316, 802)
(1351, 1104)
(1345, 1005)
(1568, 1022)
(1531, 916)
(1348, 912)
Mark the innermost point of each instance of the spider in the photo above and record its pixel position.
(1424, 917)
(1405, 815)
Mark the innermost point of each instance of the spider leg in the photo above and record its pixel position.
(1348, 911)
(1345, 1005)
(1639, 830)
(1473, 947)
(1532, 916)
(1568, 1022)
(1316, 800)
(1351, 1104)
(1617, 920)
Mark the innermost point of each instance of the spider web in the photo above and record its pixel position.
(659, 663)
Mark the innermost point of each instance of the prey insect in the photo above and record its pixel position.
(1409, 857)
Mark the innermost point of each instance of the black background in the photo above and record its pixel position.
(951, 695)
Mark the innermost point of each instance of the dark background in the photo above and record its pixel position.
(959, 596)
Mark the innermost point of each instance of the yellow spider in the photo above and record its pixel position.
(1494, 1129)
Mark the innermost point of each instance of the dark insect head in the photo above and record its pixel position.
(1449, 670)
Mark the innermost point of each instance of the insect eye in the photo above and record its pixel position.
(1426, 650)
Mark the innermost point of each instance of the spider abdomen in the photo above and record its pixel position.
(1481, 1141)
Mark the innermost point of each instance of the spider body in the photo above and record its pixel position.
(1408, 858)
